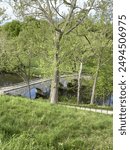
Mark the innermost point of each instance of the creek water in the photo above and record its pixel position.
(7, 79)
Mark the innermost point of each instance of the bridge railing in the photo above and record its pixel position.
(33, 82)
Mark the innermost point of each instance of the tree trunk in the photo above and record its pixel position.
(29, 89)
(95, 82)
(54, 86)
(55, 79)
(27, 80)
(28, 77)
(103, 99)
(79, 82)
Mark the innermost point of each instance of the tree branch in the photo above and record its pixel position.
(56, 10)
(73, 6)
(81, 19)
(45, 12)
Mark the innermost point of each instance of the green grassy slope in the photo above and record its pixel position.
(35, 125)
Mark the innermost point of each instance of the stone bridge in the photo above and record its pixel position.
(43, 84)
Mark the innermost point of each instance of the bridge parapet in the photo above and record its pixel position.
(22, 88)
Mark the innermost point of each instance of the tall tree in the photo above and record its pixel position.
(61, 22)
(103, 47)
(19, 49)
(25, 49)
(3, 50)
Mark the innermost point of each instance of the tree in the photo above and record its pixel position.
(13, 28)
(25, 50)
(77, 52)
(22, 46)
(106, 11)
(90, 44)
(61, 24)
(3, 50)
(98, 52)
(9, 31)
(2, 16)
(81, 52)
(101, 39)
(103, 44)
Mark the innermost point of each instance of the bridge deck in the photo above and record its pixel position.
(21, 85)
(33, 83)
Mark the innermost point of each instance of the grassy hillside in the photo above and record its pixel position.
(36, 125)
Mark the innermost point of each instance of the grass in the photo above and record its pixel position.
(36, 125)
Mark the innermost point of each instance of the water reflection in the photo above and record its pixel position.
(7, 79)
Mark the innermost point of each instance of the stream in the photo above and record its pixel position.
(7, 79)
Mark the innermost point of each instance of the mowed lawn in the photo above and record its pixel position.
(36, 125)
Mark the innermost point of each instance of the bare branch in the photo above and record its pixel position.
(85, 11)
(56, 10)
(76, 25)
(49, 9)
(87, 39)
(72, 8)
(45, 12)
(67, 3)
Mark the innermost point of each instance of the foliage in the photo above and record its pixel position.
(36, 125)
(46, 44)
(26, 46)
(4, 61)
(13, 28)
